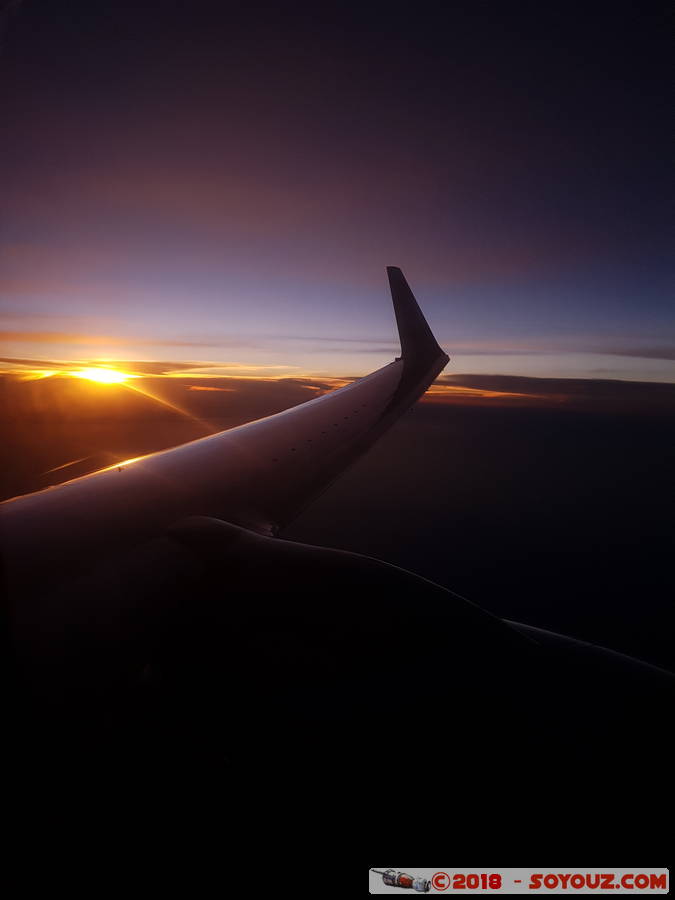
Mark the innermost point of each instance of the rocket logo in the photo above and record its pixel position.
(400, 879)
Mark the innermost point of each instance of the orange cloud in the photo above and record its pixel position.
(55, 337)
(68, 337)
(449, 393)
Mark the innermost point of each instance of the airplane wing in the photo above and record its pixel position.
(153, 599)
(58, 542)
(259, 475)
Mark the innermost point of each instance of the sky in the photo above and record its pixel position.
(223, 184)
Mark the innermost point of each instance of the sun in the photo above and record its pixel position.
(103, 375)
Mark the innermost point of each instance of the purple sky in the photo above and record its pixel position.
(193, 182)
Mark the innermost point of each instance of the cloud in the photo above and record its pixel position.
(92, 340)
(140, 367)
(653, 351)
(590, 394)
(645, 348)
(204, 377)
(169, 370)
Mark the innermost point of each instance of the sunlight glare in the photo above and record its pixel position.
(103, 376)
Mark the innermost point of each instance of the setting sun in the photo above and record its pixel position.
(103, 376)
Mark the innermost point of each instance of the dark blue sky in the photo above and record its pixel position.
(222, 182)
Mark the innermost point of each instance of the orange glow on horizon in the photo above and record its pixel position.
(38, 374)
(450, 392)
(102, 375)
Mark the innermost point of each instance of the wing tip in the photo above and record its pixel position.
(418, 343)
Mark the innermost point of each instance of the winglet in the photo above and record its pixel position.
(418, 345)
